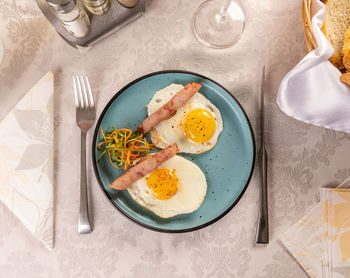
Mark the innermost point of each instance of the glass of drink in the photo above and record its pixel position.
(218, 23)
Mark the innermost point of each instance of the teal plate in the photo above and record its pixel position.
(228, 166)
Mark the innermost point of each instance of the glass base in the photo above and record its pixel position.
(218, 30)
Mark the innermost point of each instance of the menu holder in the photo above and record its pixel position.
(102, 26)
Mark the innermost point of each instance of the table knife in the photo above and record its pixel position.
(262, 234)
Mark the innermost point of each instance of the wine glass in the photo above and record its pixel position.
(218, 23)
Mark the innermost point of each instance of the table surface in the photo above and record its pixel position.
(302, 158)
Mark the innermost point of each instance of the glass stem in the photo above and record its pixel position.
(220, 17)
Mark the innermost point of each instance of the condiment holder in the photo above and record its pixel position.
(101, 26)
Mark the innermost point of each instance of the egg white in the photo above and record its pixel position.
(170, 130)
(192, 188)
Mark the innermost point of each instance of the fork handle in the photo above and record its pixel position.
(84, 226)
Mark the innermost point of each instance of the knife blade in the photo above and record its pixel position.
(262, 234)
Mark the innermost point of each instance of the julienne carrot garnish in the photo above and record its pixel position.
(123, 146)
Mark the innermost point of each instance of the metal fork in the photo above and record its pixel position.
(85, 117)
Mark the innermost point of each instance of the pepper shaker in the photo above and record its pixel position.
(72, 16)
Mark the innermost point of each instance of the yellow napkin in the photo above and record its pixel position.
(336, 232)
(304, 242)
(26, 160)
(320, 241)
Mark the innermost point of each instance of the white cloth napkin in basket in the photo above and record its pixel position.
(312, 91)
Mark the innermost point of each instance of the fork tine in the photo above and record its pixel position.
(92, 104)
(75, 93)
(84, 92)
(80, 93)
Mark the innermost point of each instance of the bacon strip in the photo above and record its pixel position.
(169, 109)
(144, 167)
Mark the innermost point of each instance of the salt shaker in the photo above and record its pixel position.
(128, 3)
(97, 7)
(72, 16)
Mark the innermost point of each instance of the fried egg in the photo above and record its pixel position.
(195, 127)
(177, 186)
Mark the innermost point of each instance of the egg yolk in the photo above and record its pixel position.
(199, 125)
(162, 183)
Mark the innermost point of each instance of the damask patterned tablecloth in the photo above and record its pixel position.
(302, 158)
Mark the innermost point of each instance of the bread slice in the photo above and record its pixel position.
(346, 49)
(345, 78)
(336, 22)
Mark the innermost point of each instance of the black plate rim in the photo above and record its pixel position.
(94, 163)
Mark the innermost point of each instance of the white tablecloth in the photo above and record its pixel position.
(302, 158)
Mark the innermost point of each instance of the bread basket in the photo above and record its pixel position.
(310, 42)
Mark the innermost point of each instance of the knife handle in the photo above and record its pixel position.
(262, 234)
